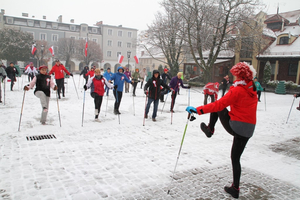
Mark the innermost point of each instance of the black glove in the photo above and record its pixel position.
(188, 87)
(264, 89)
(85, 88)
(146, 92)
(115, 87)
(4, 77)
(71, 74)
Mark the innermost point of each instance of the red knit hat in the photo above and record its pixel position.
(165, 69)
(43, 66)
(243, 70)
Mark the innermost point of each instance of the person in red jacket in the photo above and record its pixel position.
(239, 122)
(97, 83)
(58, 69)
(91, 73)
(212, 90)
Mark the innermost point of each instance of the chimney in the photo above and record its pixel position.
(72, 21)
(24, 14)
(44, 17)
(99, 23)
(59, 19)
(3, 11)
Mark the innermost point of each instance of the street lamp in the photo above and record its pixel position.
(128, 56)
(42, 52)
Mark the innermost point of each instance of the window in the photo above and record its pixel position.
(94, 30)
(83, 29)
(42, 24)
(293, 67)
(72, 28)
(119, 44)
(30, 22)
(109, 32)
(95, 40)
(118, 53)
(120, 33)
(73, 37)
(108, 54)
(31, 33)
(129, 34)
(109, 43)
(128, 45)
(54, 25)
(284, 40)
(43, 36)
(54, 38)
(9, 20)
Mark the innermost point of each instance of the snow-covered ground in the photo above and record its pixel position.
(105, 159)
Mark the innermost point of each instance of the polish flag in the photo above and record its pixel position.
(136, 59)
(51, 49)
(120, 58)
(86, 47)
(33, 49)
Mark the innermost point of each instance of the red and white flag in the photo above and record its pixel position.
(86, 47)
(136, 59)
(120, 58)
(51, 49)
(33, 49)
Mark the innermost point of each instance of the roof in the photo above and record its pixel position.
(276, 18)
(291, 16)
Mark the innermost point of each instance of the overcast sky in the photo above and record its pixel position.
(129, 13)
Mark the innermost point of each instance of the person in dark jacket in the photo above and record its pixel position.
(2, 78)
(224, 84)
(84, 72)
(11, 74)
(154, 84)
(175, 83)
(43, 83)
(240, 121)
(119, 78)
(165, 76)
(297, 95)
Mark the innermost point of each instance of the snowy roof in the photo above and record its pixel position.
(291, 16)
(289, 50)
(268, 32)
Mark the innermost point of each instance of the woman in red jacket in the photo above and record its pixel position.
(239, 122)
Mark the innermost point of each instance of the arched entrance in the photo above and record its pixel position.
(81, 66)
(116, 67)
(71, 66)
(106, 65)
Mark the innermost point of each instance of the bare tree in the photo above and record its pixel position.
(211, 26)
(94, 52)
(166, 35)
(66, 49)
(43, 56)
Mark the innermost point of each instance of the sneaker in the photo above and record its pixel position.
(96, 116)
(63, 95)
(45, 110)
(298, 108)
(115, 112)
(162, 101)
(258, 100)
(44, 123)
(153, 119)
(59, 97)
(206, 130)
(234, 192)
(0, 101)
(172, 111)
(146, 116)
(134, 95)
(118, 112)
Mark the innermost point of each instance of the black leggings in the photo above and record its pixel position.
(118, 98)
(238, 145)
(134, 86)
(174, 94)
(60, 86)
(97, 100)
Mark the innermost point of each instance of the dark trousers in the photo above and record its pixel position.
(134, 86)
(258, 94)
(97, 101)
(12, 83)
(86, 79)
(155, 103)
(174, 95)
(212, 97)
(30, 77)
(60, 86)
(238, 145)
(142, 84)
(118, 97)
(224, 90)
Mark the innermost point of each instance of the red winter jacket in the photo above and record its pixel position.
(91, 73)
(59, 71)
(242, 100)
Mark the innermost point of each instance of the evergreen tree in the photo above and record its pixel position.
(267, 73)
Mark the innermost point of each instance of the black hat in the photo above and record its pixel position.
(11, 63)
(108, 68)
(56, 60)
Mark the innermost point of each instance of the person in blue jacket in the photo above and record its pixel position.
(119, 77)
(107, 75)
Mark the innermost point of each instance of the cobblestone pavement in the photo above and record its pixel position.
(69, 168)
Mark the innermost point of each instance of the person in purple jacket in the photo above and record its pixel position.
(175, 83)
(128, 75)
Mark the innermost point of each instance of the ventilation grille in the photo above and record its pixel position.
(40, 137)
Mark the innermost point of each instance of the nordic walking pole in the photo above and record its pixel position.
(133, 105)
(79, 81)
(58, 108)
(75, 87)
(83, 108)
(4, 84)
(189, 116)
(290, 111)
(265, 100)
(189, 96)
(106, 104)
(118, 103)
(145, 110)
(22, 110)
(165, 102)
(172, 107)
